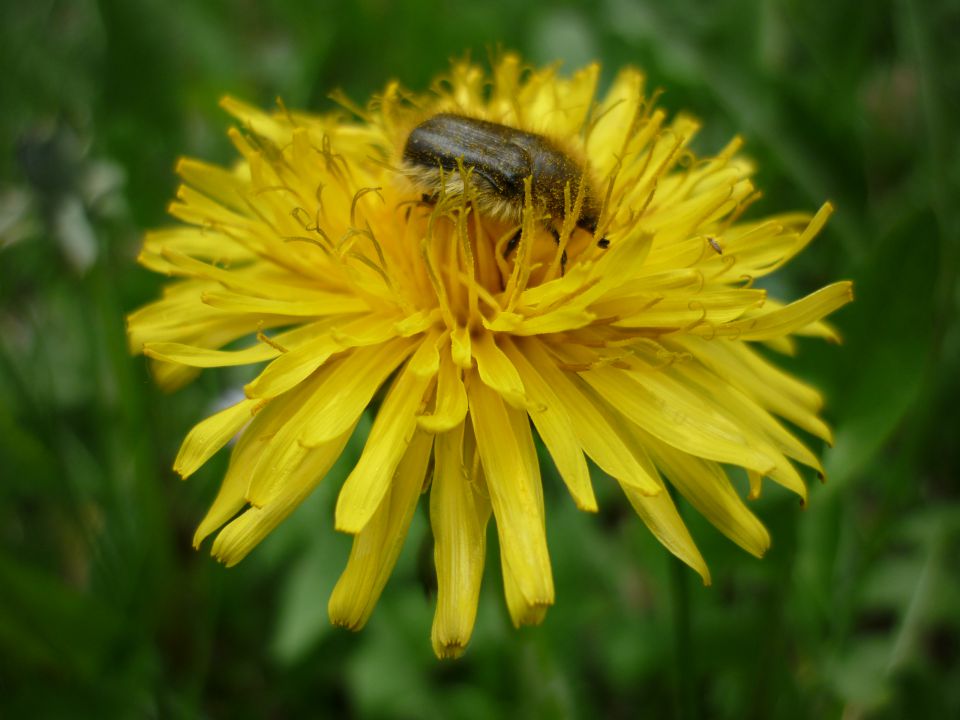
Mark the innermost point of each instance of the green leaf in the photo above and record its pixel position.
(887, 344)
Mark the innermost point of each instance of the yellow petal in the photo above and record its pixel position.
(194, 207)
(521, 611)
(348, 390)
(183, 318)
(660, 516)
(460, 347)
(210, 435)
(788, 319)
(294, 366)
(497, 371)
(556, 429)
(170, 376)
(450, 407)
(513, 480)
(311, 304)
(747, 413)
(195, 242)
(682, 309)
(774, 389)
(821, 329)
(783, 248)
(671, 412)
(559, 320)
(784, 344)
(222, 185)
(759, 430)
(254, 118)
(200, 357)
(619, 121)
(266, 349)
(244, 533)
(376, 548)
(426, 361)
(593, 424)
(659, 513)
(248, 281)
(255, 438)
(458, 518)
(281, 455)
(231, 496)
(706, 485)
(389, 437)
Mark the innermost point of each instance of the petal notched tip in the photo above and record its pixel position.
(450, 651)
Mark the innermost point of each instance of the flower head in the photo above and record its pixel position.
(630, 339)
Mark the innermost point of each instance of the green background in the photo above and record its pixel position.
(106, 611)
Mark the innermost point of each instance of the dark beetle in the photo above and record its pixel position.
(502, 157)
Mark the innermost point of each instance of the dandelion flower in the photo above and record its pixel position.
(469, 333)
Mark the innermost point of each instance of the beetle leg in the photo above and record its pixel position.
(515, 240)
(512, 243)
(426, 199)
(590, 225)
